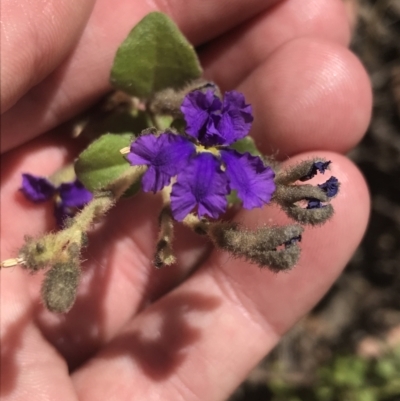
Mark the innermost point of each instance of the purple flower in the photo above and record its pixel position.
(314, 204)
(316, 166)
(292, 241)
(213, 122)
(68, 196)
(330, 187)
(199, 110)
(206, 169)
(247, 175)
(37, 189)
(74, 194)
(203, 183)
(165, 155)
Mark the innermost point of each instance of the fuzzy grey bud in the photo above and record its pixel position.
(311, 216)
(169, 101)
(34, 254)
(303, 203)
(302, 171)
(164, 255)
(60, 286)
(273, 247)
(289, 194)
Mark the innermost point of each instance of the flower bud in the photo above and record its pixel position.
(272, 247)
(302, 171)
(304, 203)
(60, 286)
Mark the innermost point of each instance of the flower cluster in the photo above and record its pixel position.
(205, 165)
(68, 196)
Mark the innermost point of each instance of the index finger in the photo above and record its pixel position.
(82, 77)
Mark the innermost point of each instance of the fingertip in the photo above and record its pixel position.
(339, 237)
(309, 94)
(38, 36)
(278, 300)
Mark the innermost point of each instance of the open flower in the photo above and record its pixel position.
(213, 122)
(68, 196)
(207, 169)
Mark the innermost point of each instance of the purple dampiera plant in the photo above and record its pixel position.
(206, 168)
(68, 196)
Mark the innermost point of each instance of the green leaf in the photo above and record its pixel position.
(232, 198)
(116, 123)
(163, 122)
(246, 145)
(102, 163)
(154, 56)
(133, 189)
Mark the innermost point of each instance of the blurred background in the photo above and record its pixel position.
(348, 347)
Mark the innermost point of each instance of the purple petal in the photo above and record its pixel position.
(197, 108)
(316, 166)
(292, 241)
(165, 155)
(236, 118)
(37, 189)
(330, 187)
(314, 204)
(247, 174)
(202, 184)
(74, 194)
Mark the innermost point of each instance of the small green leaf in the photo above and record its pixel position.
(179, 124)
(154, 56)
(233, 198)
(116, 123)
(102, 163)
(163, 122)
(133, 189)
(246, 145)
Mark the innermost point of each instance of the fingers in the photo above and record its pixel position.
(309, 94)
(118, 277)
(259, 37)
(218, 324)
(84, 76)
(36, 37)
(121, 273)
(31, 367)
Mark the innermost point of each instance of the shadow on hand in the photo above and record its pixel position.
(160, 347)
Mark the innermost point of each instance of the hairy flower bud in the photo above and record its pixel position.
(36, 253)
(273, 247)
(307, 204)
(168, 101)
(310, 215)
(60, 286)
(289, 194)
(164, 255)
(302, 171)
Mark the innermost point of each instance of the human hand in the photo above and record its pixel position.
(135, 332)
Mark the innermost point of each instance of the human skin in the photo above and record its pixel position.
(194, 330)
